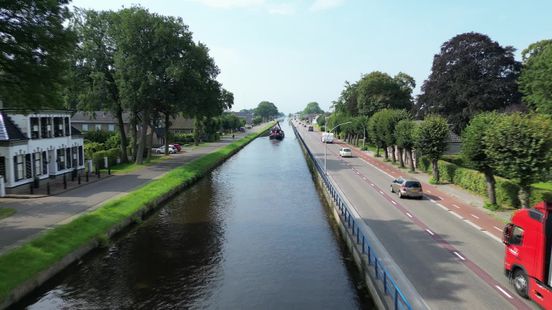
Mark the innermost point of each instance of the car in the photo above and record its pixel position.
(327, 137)
(345, 152)
(407, 188)
(177, 146)
(310, 128)
(161, 150)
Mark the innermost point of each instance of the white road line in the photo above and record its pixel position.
(440, 198)
(457, 215)
(492, 236)
(459, 256)
(497, 228)
(364, 178)
(457, 207)
(503, 292)
(430, 232)
(393, 202)
(381, 192)
(428, 191)
(475, 216)
(409, 215)
(377, 168)
(442, 207)
(473, 225)
(432, 200)
(372, 184)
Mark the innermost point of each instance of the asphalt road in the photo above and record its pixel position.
(451, 264)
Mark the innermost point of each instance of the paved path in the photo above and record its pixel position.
(35, 215)
(448, 249)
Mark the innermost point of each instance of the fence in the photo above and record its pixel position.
(390, 287)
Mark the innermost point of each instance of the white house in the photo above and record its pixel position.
(37, 146)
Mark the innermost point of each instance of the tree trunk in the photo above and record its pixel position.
(411, 159)
(401, 159)
(524, 194)
(491, 189)
(436, 176)
(167, 125)
(122, 133)
(197, 125)
(142, 143)
(377, 151)
(393, 155)
(150, 141)
(134, 135)
(385, 153)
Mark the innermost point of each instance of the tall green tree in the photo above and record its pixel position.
(312, 108)
(471, 74)
(520, 148)
(377, 90)
(536, 76)
(404, 137)
(431, 140)
(474, 149)
(267, 110)
(347, 103)
(35, 46)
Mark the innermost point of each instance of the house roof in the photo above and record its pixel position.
(8, 130)
(98, 117)
(181, 122)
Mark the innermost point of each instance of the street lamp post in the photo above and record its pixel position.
(326, 147)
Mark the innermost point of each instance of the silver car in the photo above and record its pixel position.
(407, 188)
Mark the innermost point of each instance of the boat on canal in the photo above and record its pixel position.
(276, 133)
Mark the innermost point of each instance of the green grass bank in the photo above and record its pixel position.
(27, 267)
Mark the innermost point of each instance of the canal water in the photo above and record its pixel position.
(253, 234)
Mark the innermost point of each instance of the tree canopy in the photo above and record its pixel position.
(266, 110)
(312, 108)
(377, 90)
(34, 53)
(536, 76)
(471, 74)
(431, 140)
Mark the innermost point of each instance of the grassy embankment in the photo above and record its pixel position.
(23, 263)
(6, 212)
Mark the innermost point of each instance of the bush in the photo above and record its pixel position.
(111, 154)
(184, 138)
(92, 147)
(98, 136)
(322, 128)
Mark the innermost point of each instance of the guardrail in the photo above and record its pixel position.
(390, 287)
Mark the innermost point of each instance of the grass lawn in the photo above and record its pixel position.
(23, 263)
(6, 212)
(129, 167)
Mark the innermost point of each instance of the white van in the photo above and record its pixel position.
(327, 137)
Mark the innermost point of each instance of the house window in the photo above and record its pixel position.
(3, 167)
(19, 167)
(28, 166)
(98, 126)
(111, 127)
(67, 127)
(84, 127)
(58, 126)
(68, 157)
(44, 163)
(46, 127)
(37, 161)
(61, 159)
(35, 129)
(81, 159)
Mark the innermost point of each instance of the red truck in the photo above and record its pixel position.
(528, 240)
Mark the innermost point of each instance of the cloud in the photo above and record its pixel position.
(281, 9)
(320, 5)
(232, 3)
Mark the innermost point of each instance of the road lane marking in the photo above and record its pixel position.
(459, 256)
(456, 206)
(503, 292)
(372, 184)
(430, 232)
(499, 229)
(393, 202)
(381, 192)
(364, 160)
(475, 216)
(409, 215)
(427, 190)
(440, 198)
(457, 215)
(442, 207)
(495, 238)
(473, 225)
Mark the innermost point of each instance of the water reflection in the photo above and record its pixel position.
(253, 234)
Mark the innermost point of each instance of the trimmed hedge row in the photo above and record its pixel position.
(111, 154)
(474, 181)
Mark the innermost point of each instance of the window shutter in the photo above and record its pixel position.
(28, 166)
(44, 164)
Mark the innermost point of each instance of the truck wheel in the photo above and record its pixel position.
(520, 283)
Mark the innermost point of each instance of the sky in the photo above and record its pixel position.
(292, 52)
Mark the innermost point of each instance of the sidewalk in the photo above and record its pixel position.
(459, 202)
(37, 214)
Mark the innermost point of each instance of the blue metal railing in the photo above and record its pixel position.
(390, 288)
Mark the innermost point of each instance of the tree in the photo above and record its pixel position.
(471, 74)
(404, 137)
(431, 140)
(321, 120)
(536, 76)
(376, 91)
(34, 53)
(267, 110)
(520, 148)
(474, 149)
(312, 108)
(347, 102)
(382, 130)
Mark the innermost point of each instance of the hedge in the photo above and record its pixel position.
(111, 154)
(474, 181)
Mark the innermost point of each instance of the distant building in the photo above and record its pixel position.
(98, 120)
(37, 146)
(246, 115)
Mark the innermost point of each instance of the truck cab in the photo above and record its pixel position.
(528, 245)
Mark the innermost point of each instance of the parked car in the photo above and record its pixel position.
(177, 146)
(345, 152)
(327, 137)
(310, 128)
(407, 188)
(161, 150)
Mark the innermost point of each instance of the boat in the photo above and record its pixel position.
(276, 132)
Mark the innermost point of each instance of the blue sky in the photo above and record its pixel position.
(292, 52)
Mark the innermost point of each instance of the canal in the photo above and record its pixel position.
(253, 234)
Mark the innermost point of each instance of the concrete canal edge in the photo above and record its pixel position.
(388, 285)
(39, 278)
